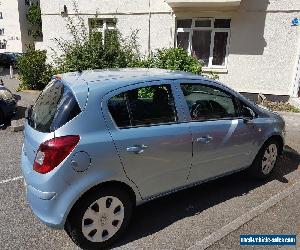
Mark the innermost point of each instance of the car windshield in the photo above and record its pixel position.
(55, 106)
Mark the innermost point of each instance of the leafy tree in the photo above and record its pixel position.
(34, 18)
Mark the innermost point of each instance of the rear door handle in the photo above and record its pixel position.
(204, 139)
(138, 149)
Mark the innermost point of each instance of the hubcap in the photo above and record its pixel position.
(269, 159)
(103, 219)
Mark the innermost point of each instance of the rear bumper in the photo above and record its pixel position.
(51, 207)
(42, 208)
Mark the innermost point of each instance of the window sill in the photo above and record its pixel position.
(214, 70)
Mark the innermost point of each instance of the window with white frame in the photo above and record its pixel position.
(1, 31)
(205, 38)
(102, 25)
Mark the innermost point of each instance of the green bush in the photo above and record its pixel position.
(34, 72)
(94, 53)
(172, 59)
(89, 50)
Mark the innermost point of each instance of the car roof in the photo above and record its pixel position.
(106, 80)
(109, 79)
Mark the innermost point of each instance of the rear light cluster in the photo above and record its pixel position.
(52, 152)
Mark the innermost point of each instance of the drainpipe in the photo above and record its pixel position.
(173, 30)
(296, 80)
(296, 84)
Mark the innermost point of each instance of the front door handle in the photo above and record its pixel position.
(138, 149)
(204, 139)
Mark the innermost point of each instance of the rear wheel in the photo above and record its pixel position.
(99, 218)
(2, 118)
(265, 160)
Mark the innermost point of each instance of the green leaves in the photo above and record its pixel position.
(34, 72)
(34, 15)
(93, 51)
(172, 59)
(35, 20)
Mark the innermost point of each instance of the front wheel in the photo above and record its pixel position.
(265, 160)
(99, 218)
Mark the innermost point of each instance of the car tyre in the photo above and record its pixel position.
(266, 159)
(93, 222)
(2, 118)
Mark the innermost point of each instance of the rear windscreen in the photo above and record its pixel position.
(55, 107)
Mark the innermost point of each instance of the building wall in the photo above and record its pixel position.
(11, 25)
(263, 48)
(131, 16)
(15, 25)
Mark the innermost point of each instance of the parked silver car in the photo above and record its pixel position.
(98, 143)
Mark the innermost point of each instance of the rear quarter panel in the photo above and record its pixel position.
(96, 141)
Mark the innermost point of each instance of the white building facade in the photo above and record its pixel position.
(14, 27)
(254, 45)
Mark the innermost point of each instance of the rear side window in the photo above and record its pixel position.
(143, 107)
(55, 107)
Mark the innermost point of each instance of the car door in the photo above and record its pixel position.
(154, 146)
(222, 141)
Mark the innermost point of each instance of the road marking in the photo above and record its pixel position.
(11, 179)
(243, 219)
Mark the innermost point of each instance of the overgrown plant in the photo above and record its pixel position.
(172, 59)
(34, 72)
(91, 50)
(34, 18)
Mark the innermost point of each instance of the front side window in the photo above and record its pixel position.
(205, 38)
(143, 107)
(208, 103)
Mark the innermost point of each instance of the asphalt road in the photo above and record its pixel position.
(175, 222)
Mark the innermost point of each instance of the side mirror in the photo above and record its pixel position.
(248, 115)
(247, 120)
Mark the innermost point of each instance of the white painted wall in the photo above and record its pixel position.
(15, 25)
(263, 45)
(263, 48)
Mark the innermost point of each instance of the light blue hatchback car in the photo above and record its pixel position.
(98, 143)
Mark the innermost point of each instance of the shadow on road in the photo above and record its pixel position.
(159, 214)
